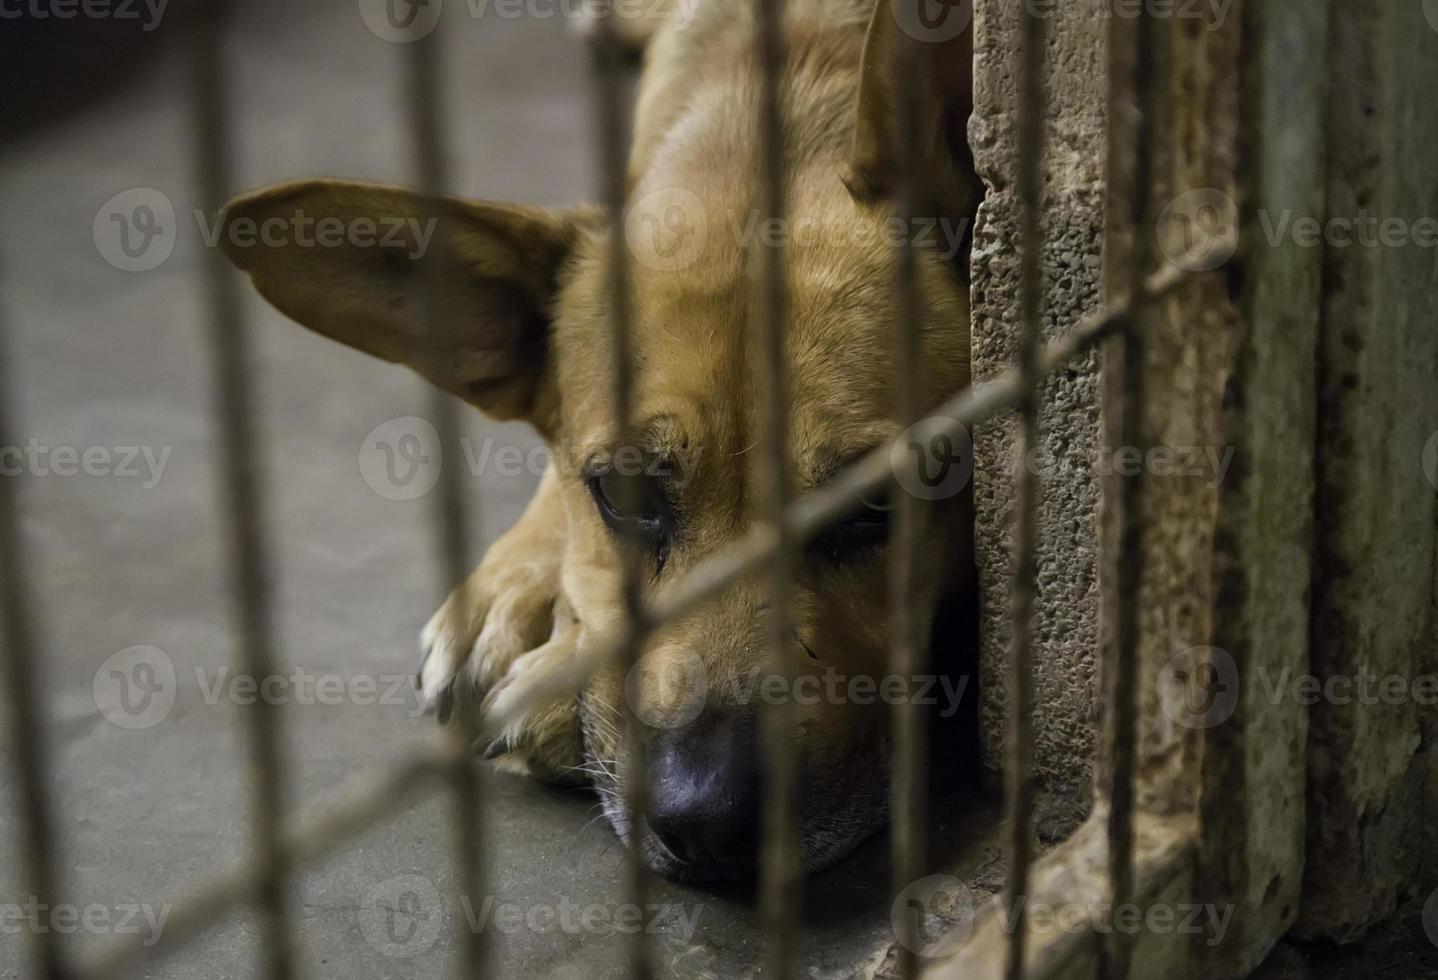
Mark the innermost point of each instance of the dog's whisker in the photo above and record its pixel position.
(589, 823)
(591, 770)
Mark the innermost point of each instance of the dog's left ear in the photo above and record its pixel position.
(368, 265)
(943, 31)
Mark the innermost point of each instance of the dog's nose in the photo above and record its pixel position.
(705, 796)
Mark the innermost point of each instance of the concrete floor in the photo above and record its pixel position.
(109, 358)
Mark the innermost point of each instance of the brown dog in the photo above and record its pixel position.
(527, 289)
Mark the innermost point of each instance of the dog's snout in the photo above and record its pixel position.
(706, 796)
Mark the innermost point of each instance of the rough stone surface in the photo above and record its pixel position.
(1072, 881)
(1379, 388)
(1067, 603)
(1222, 600)
(1254, 802)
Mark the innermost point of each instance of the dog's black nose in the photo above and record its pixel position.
(706, 794)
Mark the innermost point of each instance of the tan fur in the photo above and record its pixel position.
(552, 579)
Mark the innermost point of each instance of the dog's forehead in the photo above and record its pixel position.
(699, 374)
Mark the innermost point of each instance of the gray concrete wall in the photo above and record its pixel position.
(1378, 377)
(1317, 366)
(1067, 607)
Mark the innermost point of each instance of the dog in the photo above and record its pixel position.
(527, 335)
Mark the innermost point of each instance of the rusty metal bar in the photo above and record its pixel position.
(779, 881)
(321, 830)
(813, 511)
(908, 792)
(1133, 76)
(449, 518)
(36, 840)
(607, 63)
(244, 505)
(1026, 488)
(262, 880)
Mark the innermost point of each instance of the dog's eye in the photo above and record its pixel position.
(633, 505)
(865, 529)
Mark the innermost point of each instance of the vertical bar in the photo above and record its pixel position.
(610, 134)
(448, 518)
(1133, 80)
(1027, 489)
(242, 496)
(37, 839)
(780, 894)
(908, 646)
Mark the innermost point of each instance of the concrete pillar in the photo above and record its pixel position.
(1378, 389)
(1067, 605)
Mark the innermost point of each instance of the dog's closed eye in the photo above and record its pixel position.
(861, 532)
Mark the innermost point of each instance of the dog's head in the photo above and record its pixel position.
(521, 298)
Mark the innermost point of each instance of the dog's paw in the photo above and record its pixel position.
(505, 609)
(540, 737)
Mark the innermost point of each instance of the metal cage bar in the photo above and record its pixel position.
(318, 831)
(908, 645)
(37, 840)
(610, 136)
(816, 509)
(779, 873)
(1027, 488)
(425, 109)
(283, 847)
(1133, 75)
(244, 505)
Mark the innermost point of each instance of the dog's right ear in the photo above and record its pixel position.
(369, 266)
(943, 31)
